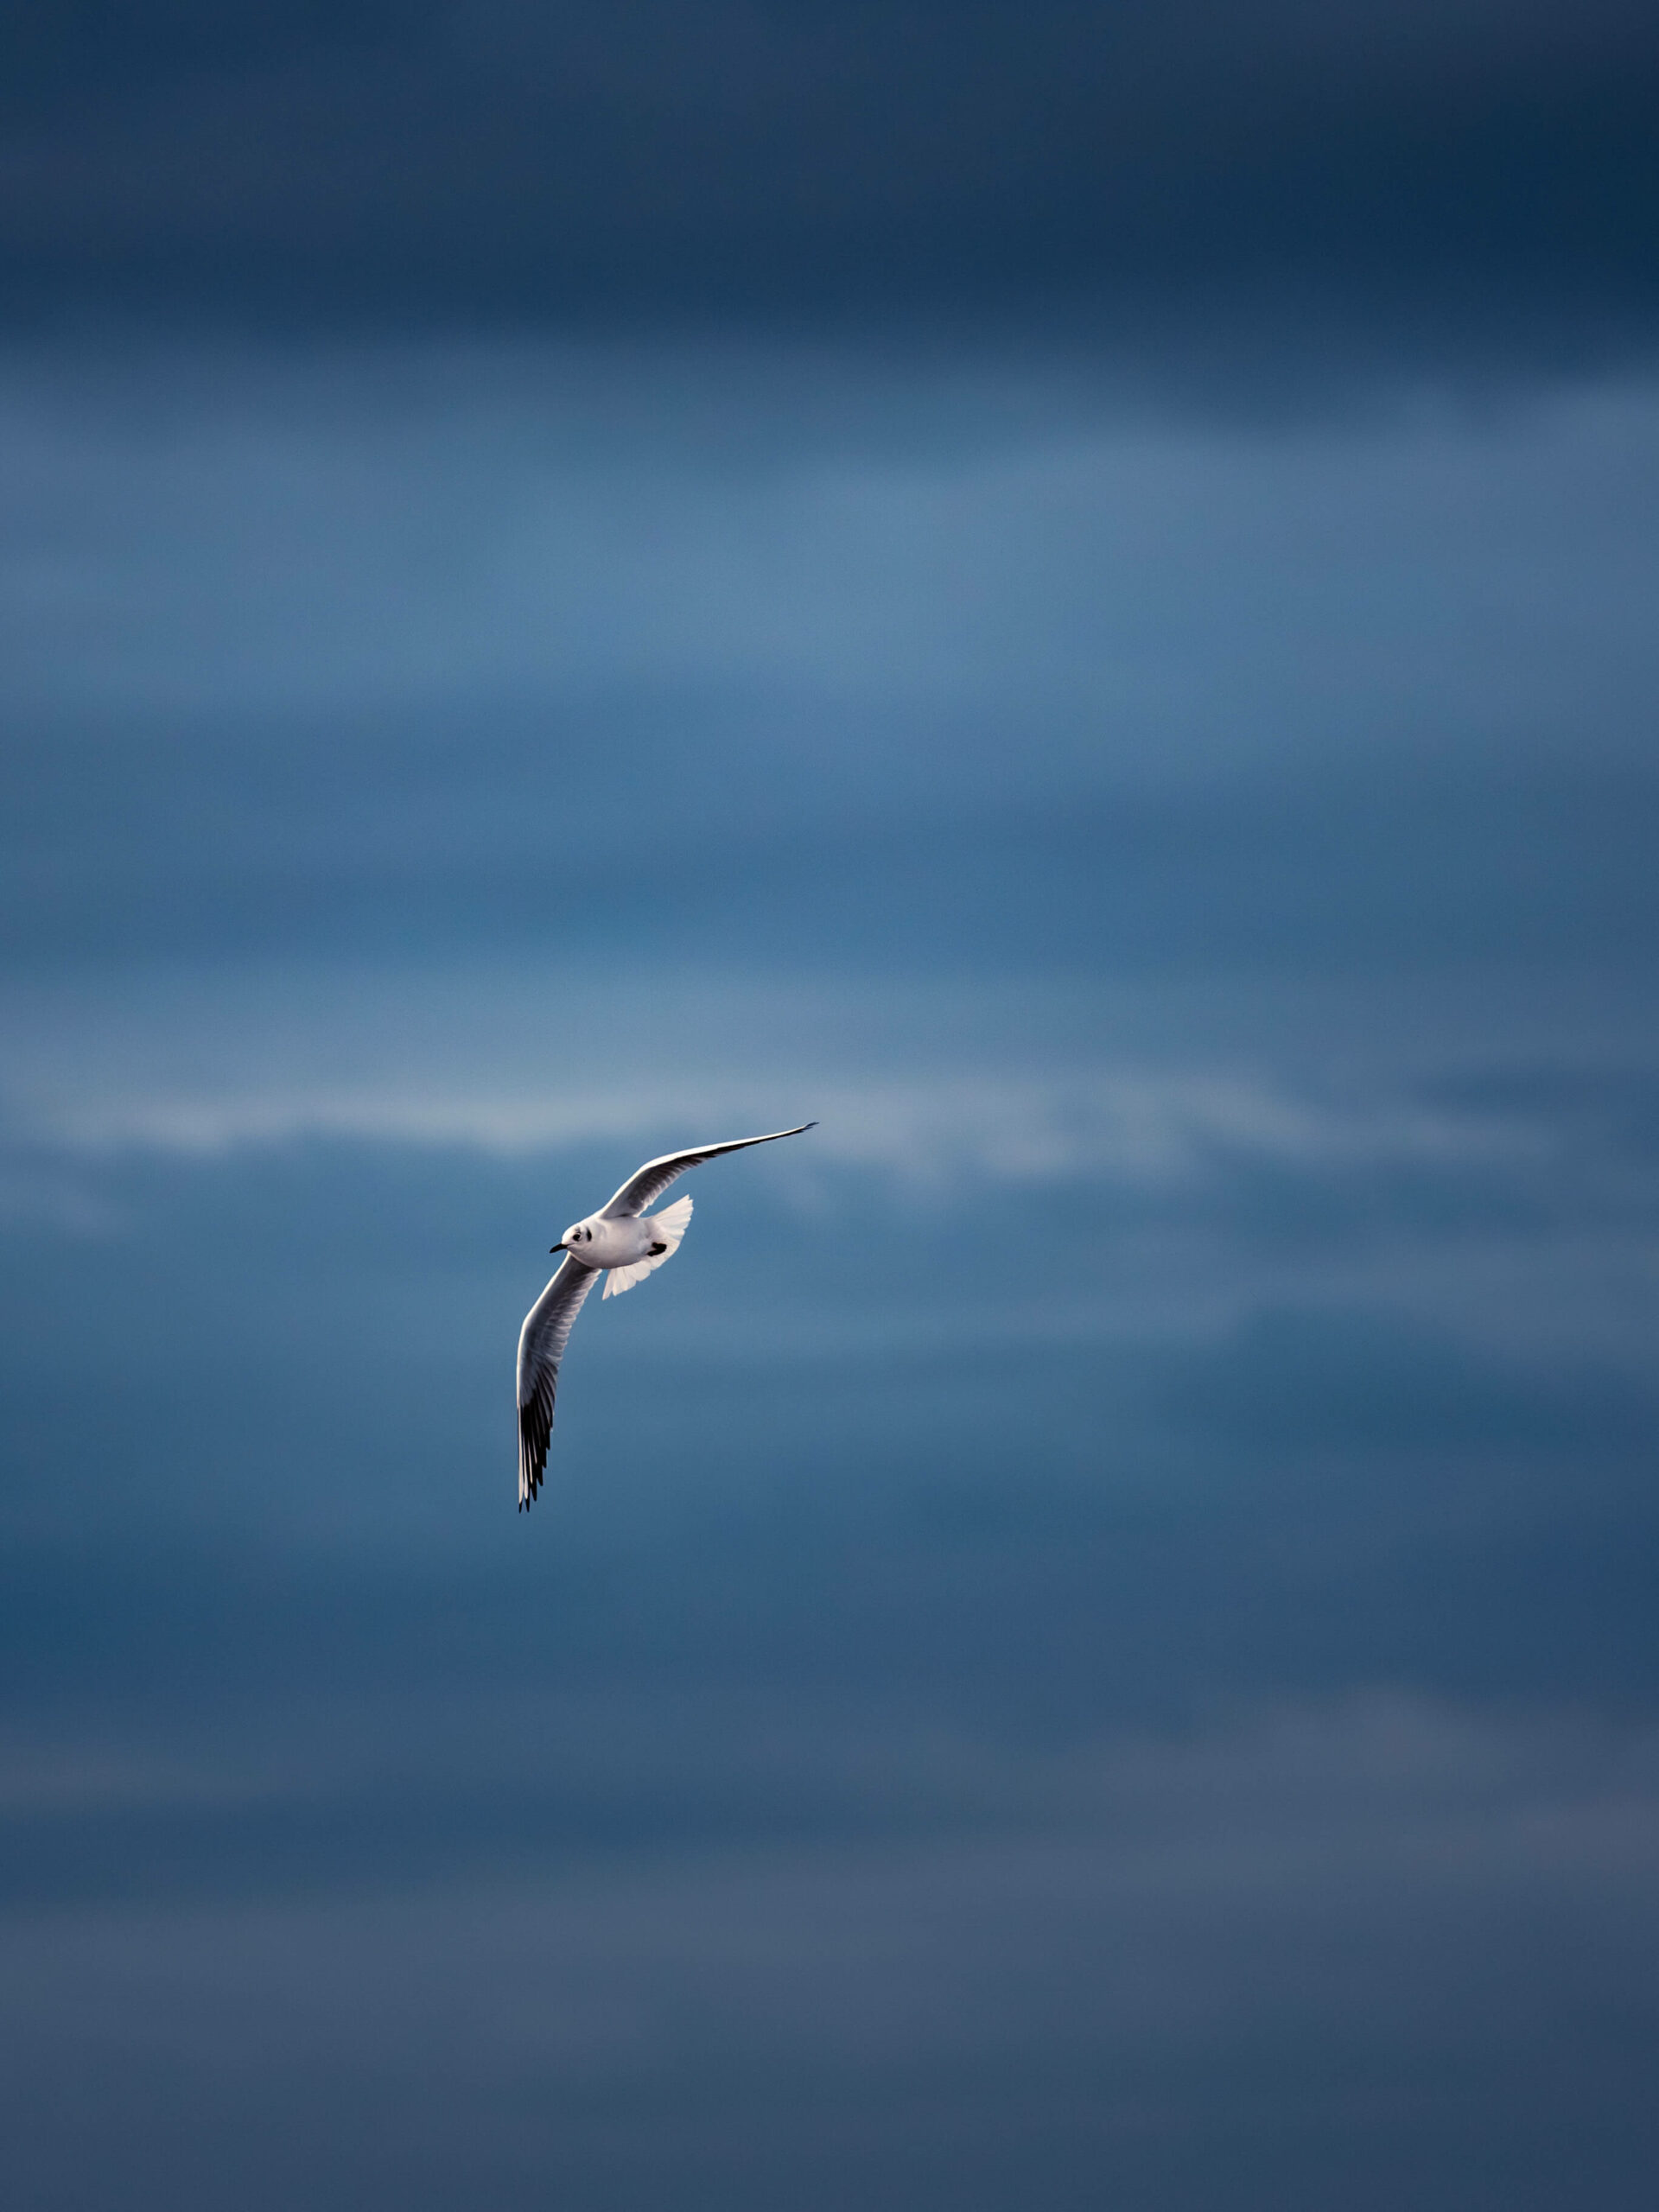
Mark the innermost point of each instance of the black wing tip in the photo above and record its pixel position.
(534, 1440)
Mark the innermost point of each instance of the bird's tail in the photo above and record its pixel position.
(670, 1227)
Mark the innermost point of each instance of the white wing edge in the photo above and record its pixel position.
(541, 1340)
(649, 1182)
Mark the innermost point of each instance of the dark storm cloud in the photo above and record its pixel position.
(1438, 179)
(310, 833)
(347, 653)
(295, 839)
(1093, 1641)
(945, 2022)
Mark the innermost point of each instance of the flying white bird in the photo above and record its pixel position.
(622, 1242)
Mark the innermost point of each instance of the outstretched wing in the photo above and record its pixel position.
(648, 1183)
(541, 1347)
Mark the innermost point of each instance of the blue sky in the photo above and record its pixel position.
(1074, 600)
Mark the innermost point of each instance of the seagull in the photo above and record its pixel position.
(622, 1242)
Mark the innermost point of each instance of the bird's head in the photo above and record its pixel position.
(578, 1233)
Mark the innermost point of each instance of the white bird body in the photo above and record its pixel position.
(618, 1245)
(624, 1243)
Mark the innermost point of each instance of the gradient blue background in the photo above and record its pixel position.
(1070, 592)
